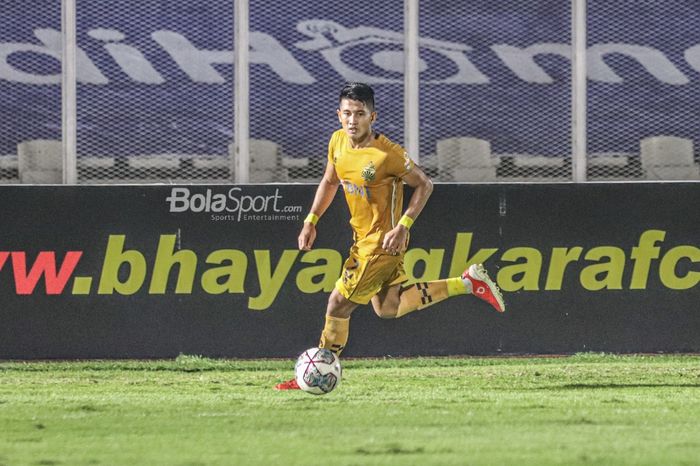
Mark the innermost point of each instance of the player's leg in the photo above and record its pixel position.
(351, 289)
(337, 326)
(337, 323)
(424, 294)
(335, 330)
(397, 300)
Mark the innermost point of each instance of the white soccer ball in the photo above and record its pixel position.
(318, 371)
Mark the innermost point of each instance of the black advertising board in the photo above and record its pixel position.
(156, 271)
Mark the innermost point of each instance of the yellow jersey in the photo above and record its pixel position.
(371, 179)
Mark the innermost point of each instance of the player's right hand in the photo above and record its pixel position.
(307, 236)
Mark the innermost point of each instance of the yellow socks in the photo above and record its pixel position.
(424, 294)
(335, 334)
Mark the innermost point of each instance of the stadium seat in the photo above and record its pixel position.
(40, 161)
(668, 158)
(533, 168)
(264, 160)
(160, 162)
(613, 166)
(466, 159)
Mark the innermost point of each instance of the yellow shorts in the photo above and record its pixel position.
(363, 277)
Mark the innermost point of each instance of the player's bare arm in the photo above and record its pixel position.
(395, 239)
(324, 196)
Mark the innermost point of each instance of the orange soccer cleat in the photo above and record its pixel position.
(483, 287)
(288, 385)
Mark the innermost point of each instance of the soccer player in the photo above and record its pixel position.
(372, 170)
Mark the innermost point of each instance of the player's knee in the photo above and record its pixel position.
(339, 306)
(386, 312)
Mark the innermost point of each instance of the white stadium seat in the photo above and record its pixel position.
(466, 159)
(668, 158)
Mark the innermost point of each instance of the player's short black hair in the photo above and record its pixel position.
(360, 92)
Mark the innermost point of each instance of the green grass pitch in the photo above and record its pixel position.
(581, 409)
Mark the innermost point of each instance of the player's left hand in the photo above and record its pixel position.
(307, 237)
(395, 240)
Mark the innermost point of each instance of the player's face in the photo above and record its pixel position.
(356, 119)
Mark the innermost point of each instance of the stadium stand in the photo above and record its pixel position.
(154, 95)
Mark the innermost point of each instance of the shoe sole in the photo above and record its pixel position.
(479, 272)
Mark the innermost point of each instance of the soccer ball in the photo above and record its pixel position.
(317, 371)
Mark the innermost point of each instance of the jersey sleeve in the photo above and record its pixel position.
(399, 164)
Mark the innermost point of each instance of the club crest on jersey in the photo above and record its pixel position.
(369, 172)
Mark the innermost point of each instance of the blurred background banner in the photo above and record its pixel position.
(156, 92)
(155, 271)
